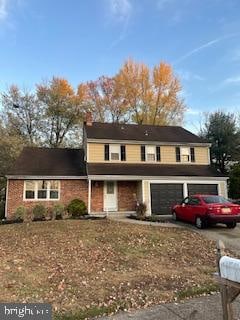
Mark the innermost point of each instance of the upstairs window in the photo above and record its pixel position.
(151, 153)
(185, 154)
(114, 152)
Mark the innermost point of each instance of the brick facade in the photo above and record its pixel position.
(71, 189)
(97, 196)
(127, 193)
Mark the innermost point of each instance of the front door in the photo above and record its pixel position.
(110, 196)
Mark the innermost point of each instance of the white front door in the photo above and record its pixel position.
(110, 196)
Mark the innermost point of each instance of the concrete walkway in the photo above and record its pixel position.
(146, 223)
(203, 308)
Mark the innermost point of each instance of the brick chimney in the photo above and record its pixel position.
(88, 119)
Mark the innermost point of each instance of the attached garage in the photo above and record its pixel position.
(194, 188)
(164, 195)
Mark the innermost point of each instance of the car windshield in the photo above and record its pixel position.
(214, 199)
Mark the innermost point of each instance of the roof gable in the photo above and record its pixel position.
(116, 131)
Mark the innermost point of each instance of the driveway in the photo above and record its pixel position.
(230, 237)
(202, 308)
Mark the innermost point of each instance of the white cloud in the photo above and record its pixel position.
(206, 45)
(232, 80)
(3, 9)
(120, 9)
(120, 12)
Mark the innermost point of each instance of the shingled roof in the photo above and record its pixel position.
(49, 162)
(152, 170)
(116, 131)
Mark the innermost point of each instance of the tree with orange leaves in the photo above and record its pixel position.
(104, 100)
(151, 96)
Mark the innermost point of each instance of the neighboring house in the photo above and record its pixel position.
(118, 165)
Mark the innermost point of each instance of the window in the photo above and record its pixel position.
(178, 155)
(110, 187)
(29, 189)
(194, 201)
(54, 189)
(151, 153)
(192, 152)
(42, 190)
(185, 154)
(114, 152)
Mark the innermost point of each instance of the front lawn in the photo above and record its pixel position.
(96, 267)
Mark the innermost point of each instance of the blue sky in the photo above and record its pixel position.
(84, 39)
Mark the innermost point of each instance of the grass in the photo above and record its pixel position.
(198, 290)
(89, 268)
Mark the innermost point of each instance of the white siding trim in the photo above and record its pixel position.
(185, 190)
(157, 178)
(89, 195)
(145, 142)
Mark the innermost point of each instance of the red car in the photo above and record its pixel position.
(207, 209)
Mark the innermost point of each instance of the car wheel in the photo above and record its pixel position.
(200, 223)
(174, 216)
(231, 225)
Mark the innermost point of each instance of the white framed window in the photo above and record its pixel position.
(114, 150)
(29, 192)
(151, 153)
(41, 190)
(185, 154)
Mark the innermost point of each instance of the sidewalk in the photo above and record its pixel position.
(146, 223)
(203, 308)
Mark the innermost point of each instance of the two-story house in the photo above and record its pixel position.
(118, 165)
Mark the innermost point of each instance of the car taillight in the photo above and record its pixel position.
(213, 210)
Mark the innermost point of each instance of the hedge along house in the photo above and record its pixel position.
(118, 165)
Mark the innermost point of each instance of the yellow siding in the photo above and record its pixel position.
(95, 152)
(201, 155)
(133, 154)
(168, 154)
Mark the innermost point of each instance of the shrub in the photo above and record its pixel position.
(58, 211)
(28, 216)
(2, 210)
(39, 212)
(20, 213)
(77, 208)
(141, 209)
